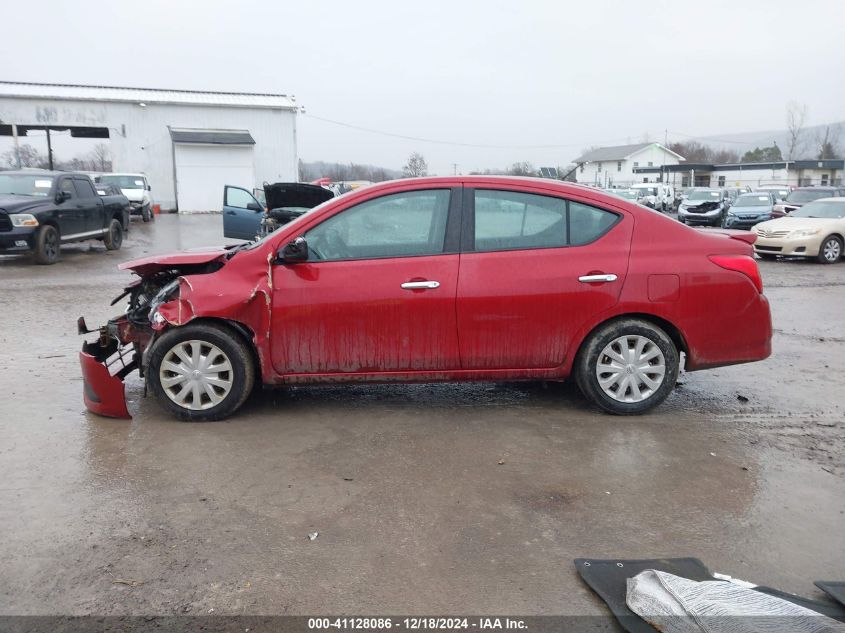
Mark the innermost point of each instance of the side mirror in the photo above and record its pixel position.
(294, 251)
(254, 206)
(149, 188)
(61, 196)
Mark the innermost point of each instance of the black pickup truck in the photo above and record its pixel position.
(41, 210)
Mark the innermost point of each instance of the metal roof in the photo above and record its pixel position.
(618, 152)
(74, 92)
(211, 137)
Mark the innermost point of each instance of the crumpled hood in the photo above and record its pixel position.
(155, 263)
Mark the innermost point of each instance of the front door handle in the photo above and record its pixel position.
(594, 279)
(420, 285)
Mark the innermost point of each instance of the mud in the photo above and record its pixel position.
(427, 499)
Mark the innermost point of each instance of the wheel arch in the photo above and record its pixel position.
(244, 332)
(667, 326)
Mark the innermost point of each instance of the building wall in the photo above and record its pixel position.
(608, 173)
(754, 177)
(139, 138)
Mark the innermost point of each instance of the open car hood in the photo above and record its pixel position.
(295, 194)
(155, 263)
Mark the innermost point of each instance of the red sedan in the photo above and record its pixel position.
(439, 279)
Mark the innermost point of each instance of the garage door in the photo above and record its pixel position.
(203, 170)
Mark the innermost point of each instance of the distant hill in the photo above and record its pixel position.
(746, 141)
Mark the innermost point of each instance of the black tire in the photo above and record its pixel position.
(830, 250)
(113, 238)
(47, 245)
(231, 344)
(145, 214)
(591, 352)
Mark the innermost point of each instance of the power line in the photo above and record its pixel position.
(442, 142)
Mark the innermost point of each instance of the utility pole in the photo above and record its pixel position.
(49, 150)
(455, 169)
(17, 144)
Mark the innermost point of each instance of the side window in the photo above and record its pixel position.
(587, 224)
(66, 186)
(238, 198)
(506, 220)
(406, 224)
(84, 188)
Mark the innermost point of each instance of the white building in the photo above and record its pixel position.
(188, 143)
(795, 173)
(615, 166)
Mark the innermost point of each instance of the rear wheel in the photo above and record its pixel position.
(113, 239)
(47, 245)
(627, 367)
(830, 250)
(201, 372)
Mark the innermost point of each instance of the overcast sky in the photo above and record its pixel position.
(513, 74)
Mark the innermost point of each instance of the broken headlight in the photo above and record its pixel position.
(165, 294)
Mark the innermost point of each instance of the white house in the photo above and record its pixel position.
(188, 143)
(615, 166)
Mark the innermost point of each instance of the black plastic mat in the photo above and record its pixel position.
(834, 588)
(608, 578)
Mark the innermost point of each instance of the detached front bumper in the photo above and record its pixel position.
(105, 364)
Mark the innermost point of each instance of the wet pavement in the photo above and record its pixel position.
(428, 498)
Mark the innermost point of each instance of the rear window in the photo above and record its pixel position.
(808, 195)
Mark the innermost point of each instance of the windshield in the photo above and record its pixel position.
(703, 195)
(628, 195)
(124, 182)
(833, 210)
(753, 201)
(25, 185)
(807, 195)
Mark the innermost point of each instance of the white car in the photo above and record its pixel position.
(136, 188)
(656, 195)
(815, 230)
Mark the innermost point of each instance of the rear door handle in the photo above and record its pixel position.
(593, 279)
(420, 285)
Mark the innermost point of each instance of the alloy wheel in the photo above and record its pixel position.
(630, 368)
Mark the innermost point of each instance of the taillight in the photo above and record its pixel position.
(742, 264)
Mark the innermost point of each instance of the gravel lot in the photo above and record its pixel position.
(428, 499)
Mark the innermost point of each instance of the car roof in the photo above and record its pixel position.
(42, 172)
(814, 188)
(122, 173)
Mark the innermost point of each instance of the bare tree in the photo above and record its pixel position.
(416, 166)
(828, 142)
(30, 157)
(796, 117)
(101, 157)
(523, 168)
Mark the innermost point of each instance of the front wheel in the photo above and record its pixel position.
(627, 367)
(830, 250)
(201, 372)
(47, 245)
(146, 216)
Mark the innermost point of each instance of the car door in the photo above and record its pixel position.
(377, 293)
(242, 213)
(71, 211)
(91, 205)
(534, 269)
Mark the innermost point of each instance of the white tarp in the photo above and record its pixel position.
(677, 605)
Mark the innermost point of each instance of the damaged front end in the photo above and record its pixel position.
(121, 344)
